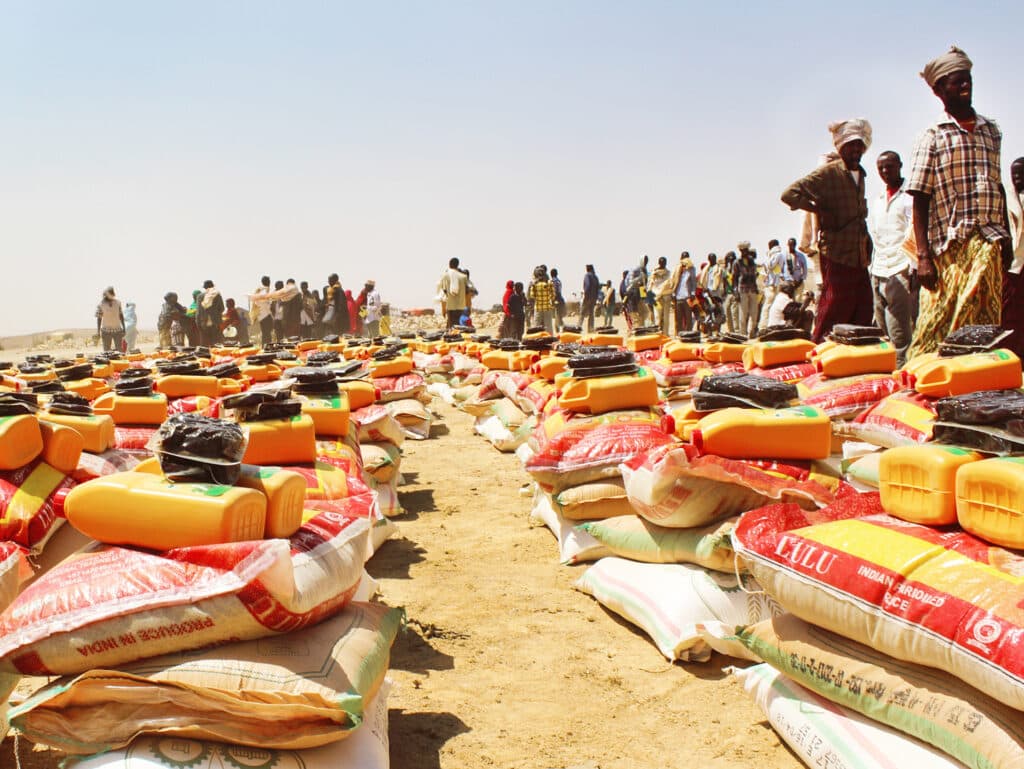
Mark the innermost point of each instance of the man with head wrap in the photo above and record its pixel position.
(834, 192)
(960, 223)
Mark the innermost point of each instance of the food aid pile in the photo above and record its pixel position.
(182, 546)
(852, 529)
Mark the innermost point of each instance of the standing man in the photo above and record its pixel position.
(542, 299)
(660, 287)
(452, 291)
(373, 309)
(796, 262)
(684, 285)
(960, 221)
(110, 321)
(893, 278)
(210, 312)
(774, 275)
(732, 302)
(835, 193)
(556, 284)
(746, 285)
(336, 318)
(1013, 281)
(261, 311)
(591, 288)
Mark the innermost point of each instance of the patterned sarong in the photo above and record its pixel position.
(845, 297)
(969, 292)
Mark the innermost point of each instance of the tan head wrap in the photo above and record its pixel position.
(845, 131)
(953, 60)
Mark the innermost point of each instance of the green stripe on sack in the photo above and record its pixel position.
(926, 730)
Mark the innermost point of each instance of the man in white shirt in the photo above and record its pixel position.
(893, 274)
(261, 311)
(774, 274)
(373, 309)
(451, 290)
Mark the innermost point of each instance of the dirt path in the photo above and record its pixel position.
(506, 665)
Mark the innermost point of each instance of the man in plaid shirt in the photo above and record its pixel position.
(960, 221)
(542, 298)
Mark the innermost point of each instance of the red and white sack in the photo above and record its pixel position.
(194, 404)
(671, 486)
(134, 438)
(393, 388)
(304, 689)
(845, 397)
(669, 601)
(107, 606)
(537, 397)
(375, 423)
(570, 449)
(904, 418)
(669, 373)
(511, 383)
(31, 503)
(938, 597)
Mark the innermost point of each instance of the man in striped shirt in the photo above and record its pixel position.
(960, 221)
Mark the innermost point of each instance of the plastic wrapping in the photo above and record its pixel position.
(781, 334)
(1004, 408)
(744, 390)
(71, 404)
(970, 339)
(847, 333)
(602, 361)
(194, 448)
(16, 404)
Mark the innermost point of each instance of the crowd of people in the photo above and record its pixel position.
(935, 251)
(274, 313)
(938, 249)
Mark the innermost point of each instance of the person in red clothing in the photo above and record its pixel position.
(353, 312)
(505, 329)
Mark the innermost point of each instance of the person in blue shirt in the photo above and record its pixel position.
(796, 264)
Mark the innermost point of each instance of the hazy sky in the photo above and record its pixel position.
(151, 145)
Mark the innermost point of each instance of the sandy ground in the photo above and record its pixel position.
(504, 664)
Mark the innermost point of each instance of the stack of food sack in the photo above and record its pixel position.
(969, 360)
(197, 556)
(854, 368)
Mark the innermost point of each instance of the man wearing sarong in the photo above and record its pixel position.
(1013, 281)
(960, 222)
(834, 192)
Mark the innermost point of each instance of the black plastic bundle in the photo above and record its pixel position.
(481, 337)
(406, 335)
(848, 333)
(568, 349)
(6, 365)
(228, 370)
(606, 330)
(49, 386)
(135, 382)
(972, 339)
(431, 336)
(198, 449)
(75, 372)
(602, 361)
(728, 338)
(261, 358)
(322, 358)
(453, 337)
(39, 357)
(388, 353)
(287, 355)
(184, 367)
(260, 405)
(645, 330)
(463, 329)
(313, 381)
(18, 404)
(743, 390)
(540, 343)
(781, 334)
(572, 329)
(688, 336)
(1000, 408)
(507, 344)
(29, 367)
(71, 404)
(329, 339)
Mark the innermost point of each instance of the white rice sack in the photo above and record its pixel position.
(412, 416)
(574, 545)
(669, 601)
(823, 734)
